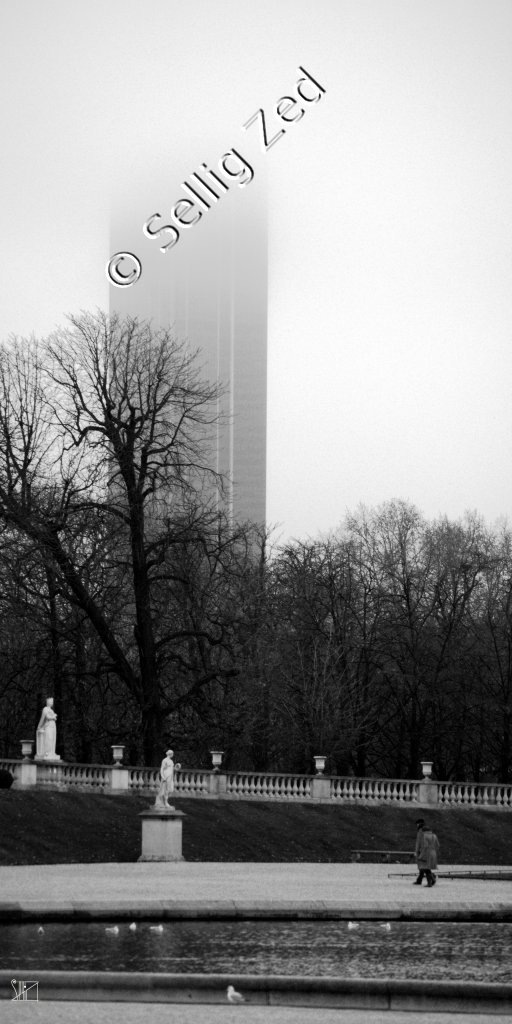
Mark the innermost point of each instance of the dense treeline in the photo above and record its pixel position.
(153, 620)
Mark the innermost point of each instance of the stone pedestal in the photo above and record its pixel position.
(161, 834)
(320, 788)
(427, 792)
(27, 776)
(119, 778)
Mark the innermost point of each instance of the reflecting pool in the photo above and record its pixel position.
(368, 949)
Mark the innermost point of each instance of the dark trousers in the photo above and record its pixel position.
(428, 875)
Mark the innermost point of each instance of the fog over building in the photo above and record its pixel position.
(211, 289)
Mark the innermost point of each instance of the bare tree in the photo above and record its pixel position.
(105, 465)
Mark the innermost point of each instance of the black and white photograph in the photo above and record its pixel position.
(256, 511)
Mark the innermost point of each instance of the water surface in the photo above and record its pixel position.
(430, 950)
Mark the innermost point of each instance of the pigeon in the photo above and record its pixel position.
(158, 928)
(112, 931)
(234, 996)
(351, 925)
(133, 927)
(40, 930)
(386, 926)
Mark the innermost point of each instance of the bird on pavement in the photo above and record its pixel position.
(386, 926)
(132, 927)
(158, 928)
(40, 930)
(112, 931)
(351, 925)
(234, 996)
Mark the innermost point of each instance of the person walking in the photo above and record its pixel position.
(427, 850)
(419, 825)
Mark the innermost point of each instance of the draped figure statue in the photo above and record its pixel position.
(166, 780)
(46, 735)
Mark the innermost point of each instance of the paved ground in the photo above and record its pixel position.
(354, 889)
(147, 1013)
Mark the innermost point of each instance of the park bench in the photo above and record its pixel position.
(386, 856)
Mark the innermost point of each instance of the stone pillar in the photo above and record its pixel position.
(427, 792)
(217, 783)
(26, 775)
(320, 788)
(161, 834)
(118, 779)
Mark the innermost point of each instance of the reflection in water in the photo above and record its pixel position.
(477, 952)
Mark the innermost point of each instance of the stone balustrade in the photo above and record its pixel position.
(239, 785)
(473, 794)
(350, 790)
(270, 786)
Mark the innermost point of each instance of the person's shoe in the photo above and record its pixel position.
(418, 881)
(434, 879)
(430, 884)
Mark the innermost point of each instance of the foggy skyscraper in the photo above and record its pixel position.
(211, 289)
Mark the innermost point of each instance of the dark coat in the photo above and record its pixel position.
(427, 849)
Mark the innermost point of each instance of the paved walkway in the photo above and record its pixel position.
(147, 1013)
(193, 889)
(238, 889)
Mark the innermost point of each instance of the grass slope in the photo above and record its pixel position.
(48, 827)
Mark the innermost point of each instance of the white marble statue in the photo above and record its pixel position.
(167, 780)
(46, 736)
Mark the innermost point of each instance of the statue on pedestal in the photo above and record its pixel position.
(167, 780)
(46, 735)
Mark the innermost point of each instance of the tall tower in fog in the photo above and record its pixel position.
(211, 289)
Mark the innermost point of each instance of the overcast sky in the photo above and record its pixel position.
(390, 216)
